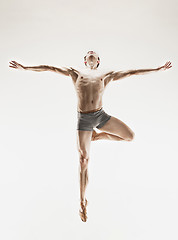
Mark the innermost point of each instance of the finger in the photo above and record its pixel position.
(12, 67)
(13, 64)
(169, 67)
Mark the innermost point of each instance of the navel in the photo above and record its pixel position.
(101, 79)
(92, 101)
(81, 76)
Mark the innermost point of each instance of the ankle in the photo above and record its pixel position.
(83, 202)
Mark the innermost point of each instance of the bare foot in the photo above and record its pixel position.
(83, 211)
(93, 135)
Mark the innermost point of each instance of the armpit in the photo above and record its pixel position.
(73, 73)
(108, 77)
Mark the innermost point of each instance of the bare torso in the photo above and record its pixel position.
(89, 86)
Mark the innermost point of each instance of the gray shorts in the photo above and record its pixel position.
(88, 121)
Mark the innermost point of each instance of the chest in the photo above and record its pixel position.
(87, 80)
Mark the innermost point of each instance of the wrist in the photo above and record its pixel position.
(160, 68)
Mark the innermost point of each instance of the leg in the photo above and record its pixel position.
(104, 135)
(115, 129)
(83, 142)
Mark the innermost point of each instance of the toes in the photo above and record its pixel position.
(82, 211)
(83, 216)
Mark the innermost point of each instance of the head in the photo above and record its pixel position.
(92, 60)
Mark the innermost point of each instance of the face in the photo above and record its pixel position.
(92, 59)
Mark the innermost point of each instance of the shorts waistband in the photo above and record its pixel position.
(95, 110)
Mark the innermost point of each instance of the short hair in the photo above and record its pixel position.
(86, 60)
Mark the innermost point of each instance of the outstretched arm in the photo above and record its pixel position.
(62, 70)
(122, 74)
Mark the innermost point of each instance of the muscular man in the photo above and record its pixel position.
(90, 84)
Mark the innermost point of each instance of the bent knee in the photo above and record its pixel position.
(130, 137)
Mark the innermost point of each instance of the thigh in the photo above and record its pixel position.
(84, 142)
(118, 128)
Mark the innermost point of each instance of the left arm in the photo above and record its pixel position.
(122, 74)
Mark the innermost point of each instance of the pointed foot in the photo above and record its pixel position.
(83, 212)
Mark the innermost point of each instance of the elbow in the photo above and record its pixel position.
(132, 72)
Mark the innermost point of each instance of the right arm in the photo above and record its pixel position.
(62, 70)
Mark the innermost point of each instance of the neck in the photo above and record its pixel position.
(91, 67)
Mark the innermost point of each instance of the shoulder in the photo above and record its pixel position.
(73, 69)
(106, 72)
(107, 76)
(73, 72)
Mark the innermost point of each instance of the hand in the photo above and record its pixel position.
(16, 65)
(166, 66)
